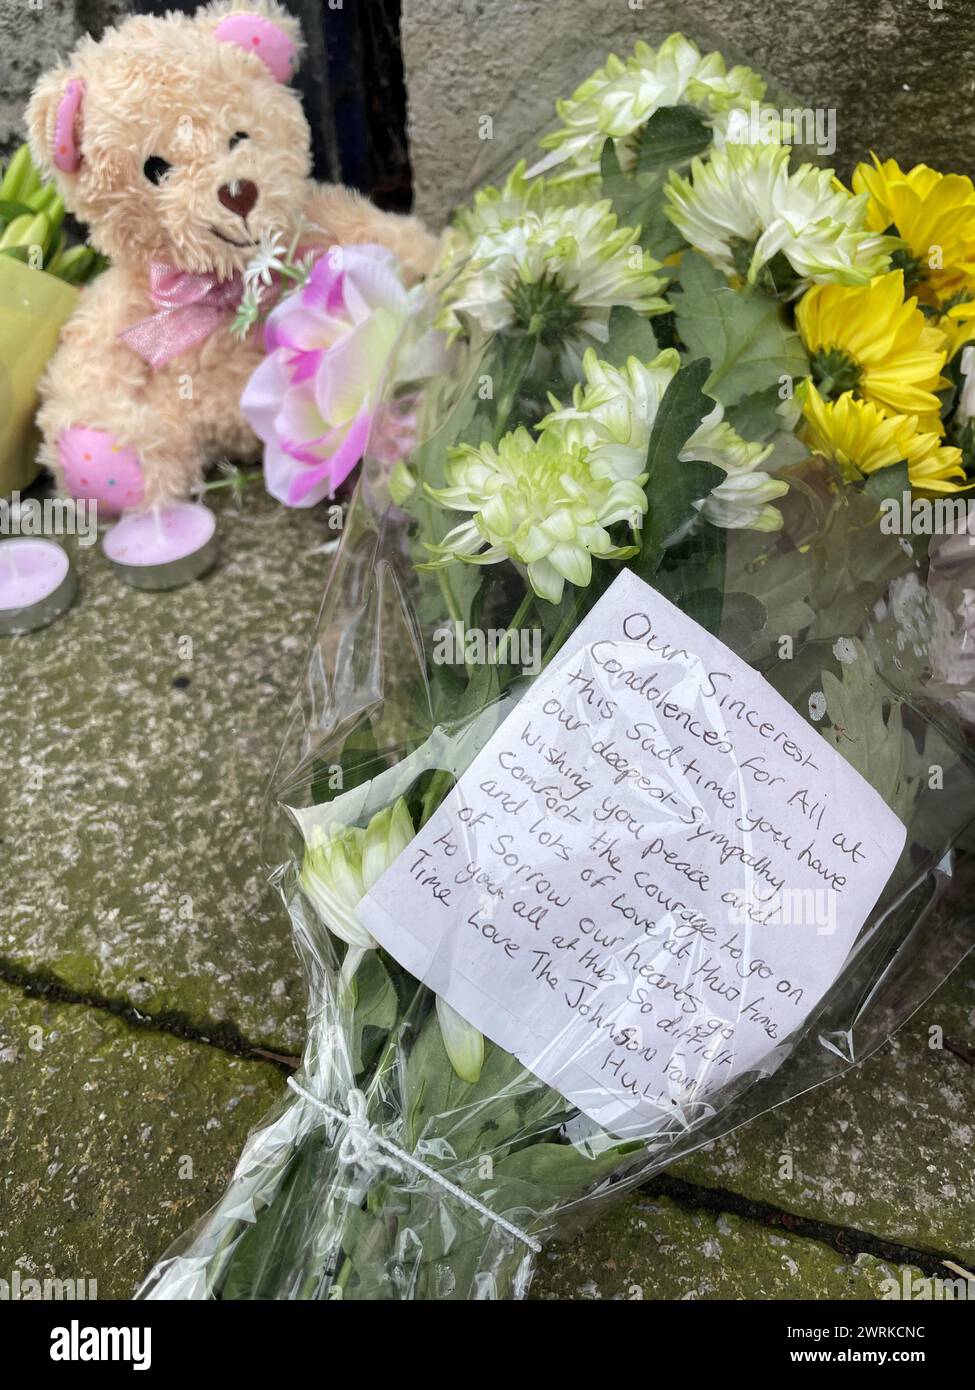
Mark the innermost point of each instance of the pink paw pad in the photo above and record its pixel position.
(97, 468)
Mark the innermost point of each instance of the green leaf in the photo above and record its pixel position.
(782, 585)
(630, 335)
(673, 135)
(9, 210)
(757, 416)
(638, 201)
(742, 616)
(359, 761)
(674, 486)
(473, 1118)
(743, 332)
(692, 576)
(866, 728)
(552, 1172)
(888, 482)
(853, 565)
(375, 1006)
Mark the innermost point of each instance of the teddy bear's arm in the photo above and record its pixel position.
(346, 218)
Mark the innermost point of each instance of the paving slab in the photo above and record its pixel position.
(116, 1138)
(122, 1136)
(886, 1149)
(650, 1248)
(140, 731)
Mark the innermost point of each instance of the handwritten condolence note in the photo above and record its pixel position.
(648, 877)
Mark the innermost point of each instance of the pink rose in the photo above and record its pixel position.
(319, 397)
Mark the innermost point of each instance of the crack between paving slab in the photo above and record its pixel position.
(960, 1050)
(847, 1241)
(225, 1037)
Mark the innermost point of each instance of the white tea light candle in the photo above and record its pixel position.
(163, 548)
(37, 584)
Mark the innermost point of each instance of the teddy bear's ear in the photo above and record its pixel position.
(262, 27)
(55, 115)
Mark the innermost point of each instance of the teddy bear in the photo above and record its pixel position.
(178, 141)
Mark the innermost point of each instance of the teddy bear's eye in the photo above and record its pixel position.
(236, 138)
(156, 168)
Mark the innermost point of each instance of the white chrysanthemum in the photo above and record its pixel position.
(744, 206)
(742, 501)
(535, 501)
(613, 412)
(551, 268)
(342, 863)
(612, 418)
(618, 100)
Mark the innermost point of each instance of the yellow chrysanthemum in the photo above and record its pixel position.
(862, 440)
(933, 213)
(867, 340)
(958, 326)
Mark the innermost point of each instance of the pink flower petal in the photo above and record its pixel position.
(280, 471)
(298, 416)
(336, 469)
(303, 365)
(262, 396)
(372, 282)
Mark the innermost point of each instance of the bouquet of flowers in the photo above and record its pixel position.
(629, 770)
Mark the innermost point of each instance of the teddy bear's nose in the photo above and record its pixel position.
(239, 196)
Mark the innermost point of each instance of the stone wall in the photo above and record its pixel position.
(33, 35)
(900, 74)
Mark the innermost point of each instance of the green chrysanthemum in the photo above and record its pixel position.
(619, 99)
(535, 501)
(612, 418)
(744, 208)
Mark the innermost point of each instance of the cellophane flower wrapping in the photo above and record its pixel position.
(641, 381)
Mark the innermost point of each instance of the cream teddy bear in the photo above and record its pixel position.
(178, 142)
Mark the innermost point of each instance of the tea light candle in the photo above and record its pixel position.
(37, 584)
(163, 548)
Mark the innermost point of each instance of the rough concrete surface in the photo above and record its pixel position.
(34, 35)
(899, 73)
(886, 1149)
(117, 1139)
(144, 728)
(650, 1249)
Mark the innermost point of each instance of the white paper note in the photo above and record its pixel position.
(648, 877)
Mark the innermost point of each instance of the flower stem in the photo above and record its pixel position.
(521, 353)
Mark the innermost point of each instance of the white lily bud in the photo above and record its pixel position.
(462, 1042)
(342, 863)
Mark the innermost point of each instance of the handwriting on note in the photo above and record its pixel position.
(648, 877)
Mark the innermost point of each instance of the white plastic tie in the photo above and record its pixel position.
(365, 1148)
